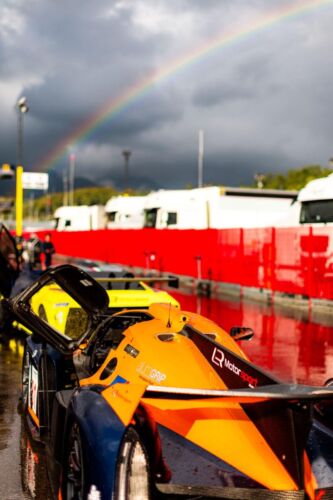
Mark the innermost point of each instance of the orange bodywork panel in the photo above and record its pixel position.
(224, 430)
(219, 425)
(124, 399)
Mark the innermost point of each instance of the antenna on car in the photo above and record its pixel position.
(169, 318)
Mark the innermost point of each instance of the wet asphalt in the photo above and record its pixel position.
(22, 464)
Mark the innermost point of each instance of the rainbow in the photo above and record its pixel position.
(116, 105)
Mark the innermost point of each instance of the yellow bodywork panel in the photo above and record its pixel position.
(62, 312)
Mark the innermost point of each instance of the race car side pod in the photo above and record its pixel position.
(172, 281)
(283, 421)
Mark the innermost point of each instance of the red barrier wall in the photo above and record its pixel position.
(291, 260)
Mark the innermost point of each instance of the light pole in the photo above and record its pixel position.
(72, 160)
(65, 188)
(126, 154)
(200, 158)
(23, 108)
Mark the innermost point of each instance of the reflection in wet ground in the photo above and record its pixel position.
(20, 466)
(289, 343)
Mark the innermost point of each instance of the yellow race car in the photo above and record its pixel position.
(61, 311)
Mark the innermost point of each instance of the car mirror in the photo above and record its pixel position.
(241, 333)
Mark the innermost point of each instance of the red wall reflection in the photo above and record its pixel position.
(288, 343)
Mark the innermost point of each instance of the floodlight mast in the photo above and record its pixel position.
(126, 154)
(200, 158)
(23, 108)
(71, 178)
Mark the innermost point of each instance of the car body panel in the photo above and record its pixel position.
(99, 426)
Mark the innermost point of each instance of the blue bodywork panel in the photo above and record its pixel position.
(101, 433)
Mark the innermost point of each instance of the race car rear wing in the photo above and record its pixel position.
(171, 281)
(293, 393)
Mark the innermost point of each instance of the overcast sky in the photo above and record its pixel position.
(265, 102)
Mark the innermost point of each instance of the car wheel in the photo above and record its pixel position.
(133, 475)
(73, 485)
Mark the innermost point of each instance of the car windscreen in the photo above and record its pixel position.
(60, 311)
(319, 211)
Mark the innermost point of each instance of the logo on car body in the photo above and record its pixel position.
(220, 359)
(148, 372)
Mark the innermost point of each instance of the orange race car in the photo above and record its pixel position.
(159, 402)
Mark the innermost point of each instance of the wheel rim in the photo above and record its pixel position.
(133, 470)
(138, 486)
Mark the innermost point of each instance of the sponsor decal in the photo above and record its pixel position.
(221, 360)
(59, 317)
(150, 373)
(131, 351)
(119, 380)
(117, 394)
(86, 282)
(33, 388)
(94, 493)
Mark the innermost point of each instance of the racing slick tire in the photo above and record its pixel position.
(73, 474)
(133, 472)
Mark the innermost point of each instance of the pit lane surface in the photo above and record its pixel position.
(291, 344)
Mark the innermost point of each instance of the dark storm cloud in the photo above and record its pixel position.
(264, 102)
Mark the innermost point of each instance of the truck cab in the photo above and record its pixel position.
(316, 201)
(125, 212)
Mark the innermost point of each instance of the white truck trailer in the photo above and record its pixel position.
(80, 218)
(215, 207)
